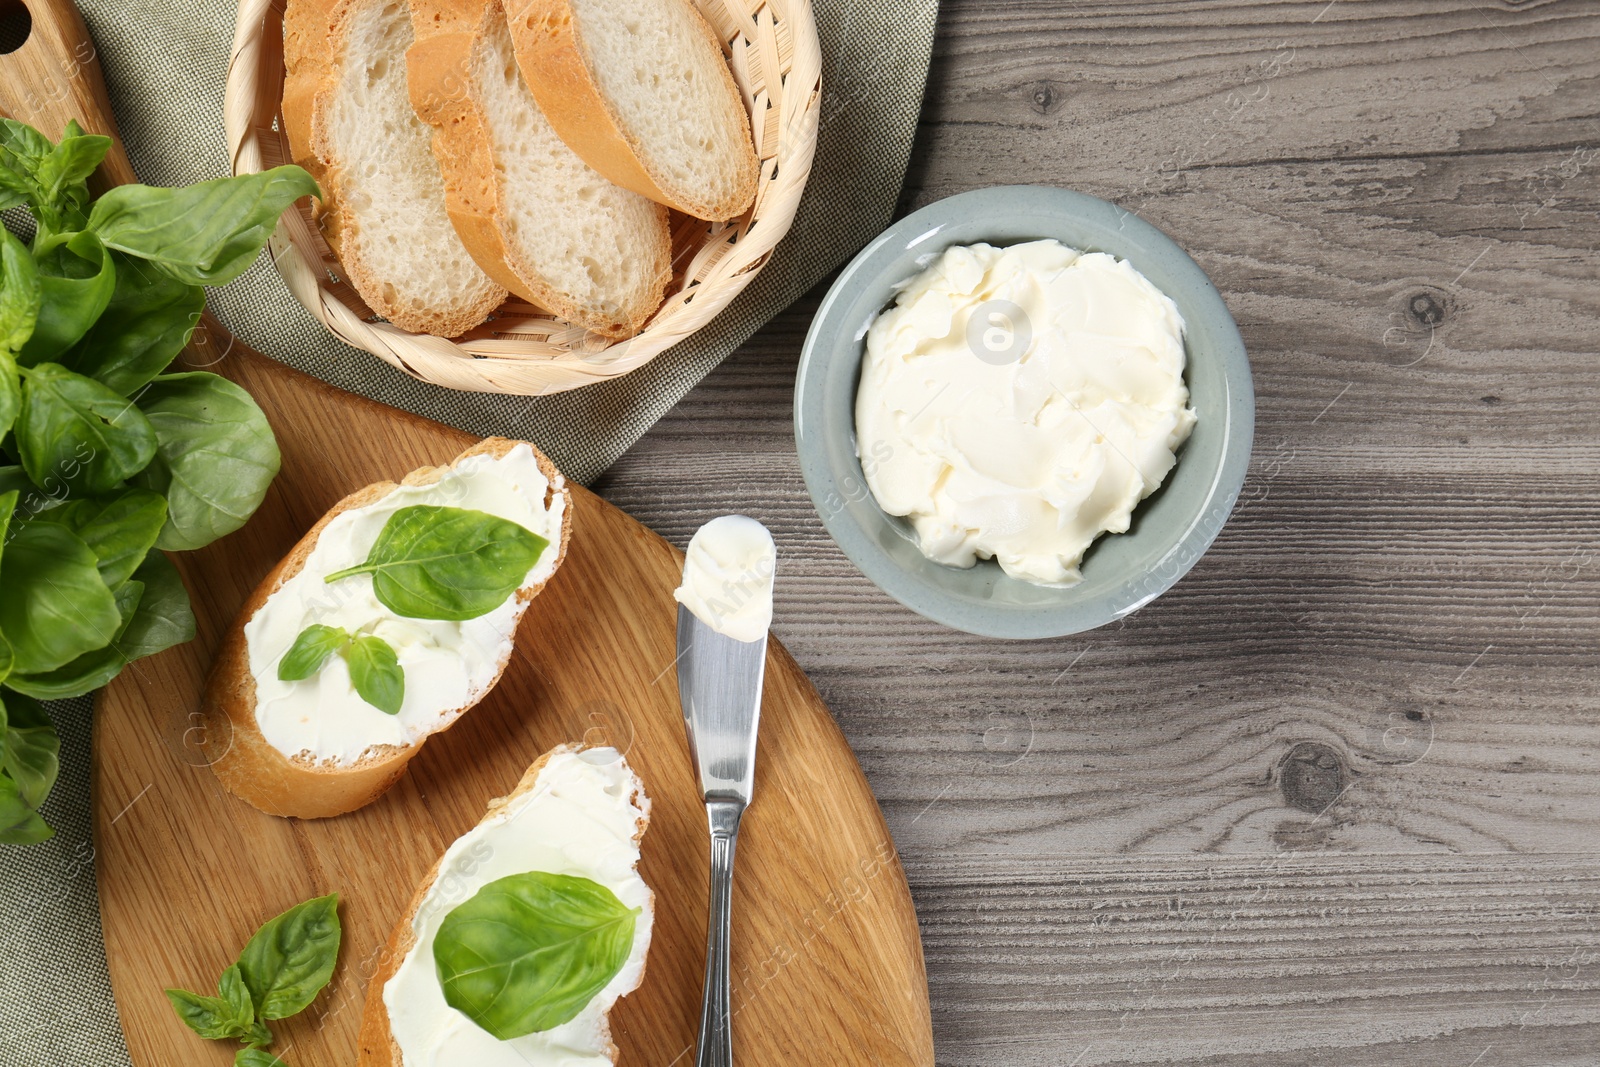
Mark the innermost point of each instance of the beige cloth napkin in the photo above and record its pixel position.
(165, 61)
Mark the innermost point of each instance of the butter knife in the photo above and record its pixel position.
(719, 684)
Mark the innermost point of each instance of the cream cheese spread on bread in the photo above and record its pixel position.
(448, 665)
(582, 817)
(727, 577)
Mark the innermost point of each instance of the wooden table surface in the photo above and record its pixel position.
(1335, 798)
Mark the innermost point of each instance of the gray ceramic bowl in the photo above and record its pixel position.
(1122, 572)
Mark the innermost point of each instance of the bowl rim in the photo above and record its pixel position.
(1020, 621)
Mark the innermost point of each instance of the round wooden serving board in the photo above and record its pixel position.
(828, 964)
(827, 960)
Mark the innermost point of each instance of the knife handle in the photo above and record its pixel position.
(716, 1023)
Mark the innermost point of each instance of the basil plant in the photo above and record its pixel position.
(107, 460)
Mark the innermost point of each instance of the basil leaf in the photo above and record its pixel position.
(119, 529)
(291, 957)
(528, 952)
(309, 651)
(76, 430)
(148, 321)
(50, 178)
(32, 750)
(5, 672)
(257, 1037)
(210, 1017)
(432, 562)
(91, 670)
(164, 617)
(376, 673)
(20, 293)
(255, 1057)
(231, 988)
(204, 234)
(76, 280)
(53, 605)
(19, 824)
(215, 456)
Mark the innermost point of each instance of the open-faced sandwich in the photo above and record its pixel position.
(390, 619)
(526, 932)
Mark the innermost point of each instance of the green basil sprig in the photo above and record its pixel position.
(375, 670)
(432, 562)
(528, 952)
(106, 461)
(279, 973)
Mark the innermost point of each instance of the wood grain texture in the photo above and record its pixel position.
(1335, 798)
(828, 957)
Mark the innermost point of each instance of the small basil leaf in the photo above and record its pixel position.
(53, 605)
(91, 670)
(204, 234)
(144, 327)
(210, 1017)
(376, 673)
(20, 293)
(63, 174)
(231, 988)
(432, 562)
(120, 529)
(527, 952)
(19, 823)
(291, 957)
(5, 671)
(165, 617)
(215, 456)
(306, 656)
(258, 1036)
(255, 1057)
(32, 750)
(76, 430)
(76, 280)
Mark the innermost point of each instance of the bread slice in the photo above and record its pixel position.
(251, 767)
(540, 220)
(377, 1046)
(640, 90)
(350, 123)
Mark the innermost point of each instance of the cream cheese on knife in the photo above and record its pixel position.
(727, 577)
(1016, 403)
(448, 665)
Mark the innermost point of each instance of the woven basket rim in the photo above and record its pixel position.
(775, 56)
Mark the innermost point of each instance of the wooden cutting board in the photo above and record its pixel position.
(827, 960)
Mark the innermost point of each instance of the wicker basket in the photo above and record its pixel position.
(776, 61)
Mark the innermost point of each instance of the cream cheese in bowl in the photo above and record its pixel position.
(1017, 403)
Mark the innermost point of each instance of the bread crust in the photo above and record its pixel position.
(376, 1044)
(550, 54)
(246, 763)
(444, 95)
(314, 42)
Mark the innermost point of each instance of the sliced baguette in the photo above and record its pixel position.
(251, 767)
(350, 123)
(640, 90)
(537, 218)
(377, 1046)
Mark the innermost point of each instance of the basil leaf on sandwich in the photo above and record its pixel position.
(375, 670)
(454, 564)
(528, 952)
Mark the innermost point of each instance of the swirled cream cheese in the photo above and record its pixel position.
(580, 818)
(727, 577)
(448, 665)
(1016, 403)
